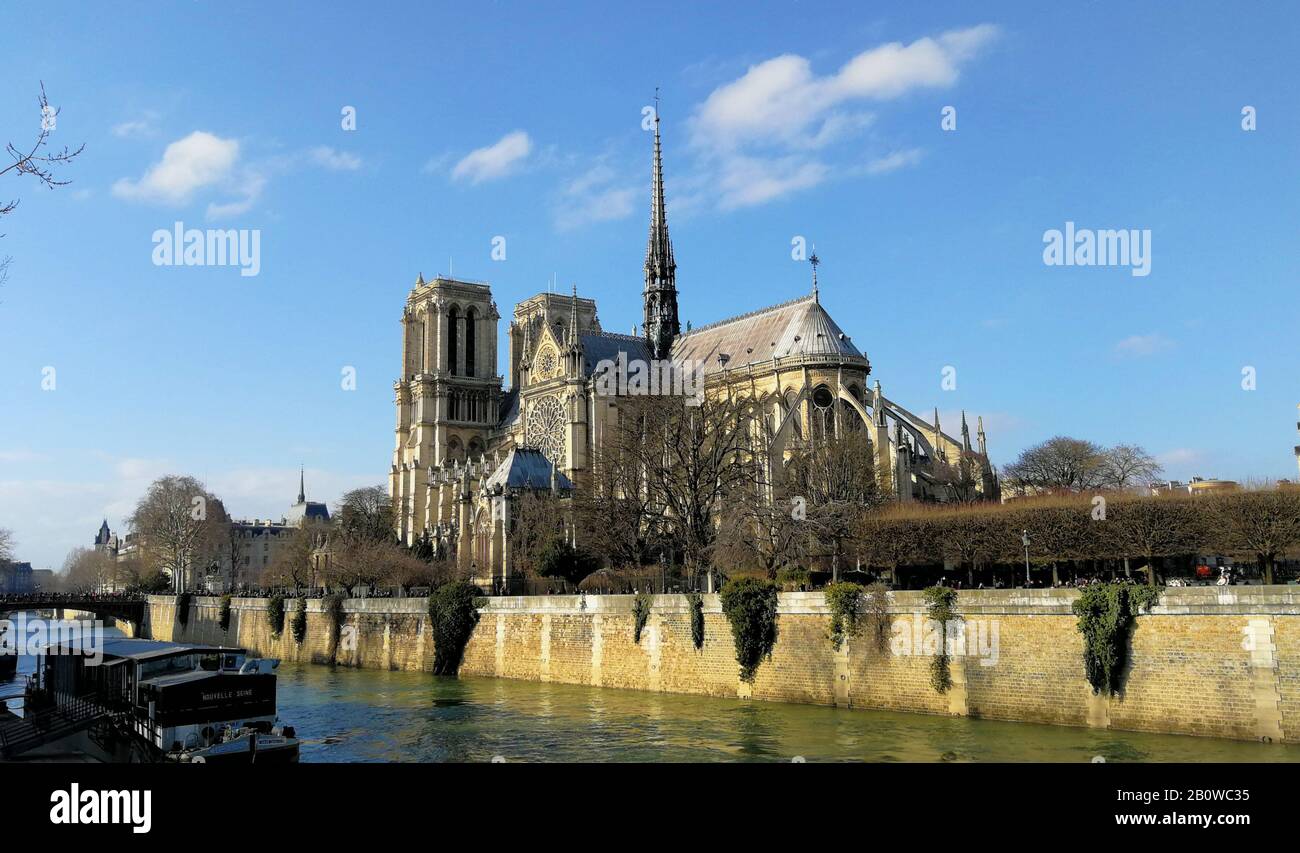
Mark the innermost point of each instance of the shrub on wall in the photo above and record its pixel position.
(793, 579)
(875, 612)
(641, 613)
(750, 606)
(275, 614)
(453, 613)
(223, 615)
(845, 602)
(299, 626)
(696, 603)
(1106, 612)
(334, 612)
(940, 605)
(183, 608)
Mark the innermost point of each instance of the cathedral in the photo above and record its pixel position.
(467, 445)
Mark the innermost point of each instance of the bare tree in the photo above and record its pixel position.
(537, 519)
(294, 560)
(614, 514)
(6, 544)
(1060, 464)
(36, 160)
(178, 527)
(693, 459)
(757, 534)
(1127, 465)
(88, 570)
(365, 515)
(837, 481)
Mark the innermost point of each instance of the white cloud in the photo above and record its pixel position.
(766, 134)
(597, 195)
(783, 100)
(746, 181)
(435, 164)
(494, 161)
(338, 161)
(250, 188)
(893, 162)
(1183, 463)
(137, 128)
(196, 162)
(1136, 346)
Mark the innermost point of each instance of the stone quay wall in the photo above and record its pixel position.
(1214, 661)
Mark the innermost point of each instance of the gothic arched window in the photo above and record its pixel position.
(471, 321)
(453, 322)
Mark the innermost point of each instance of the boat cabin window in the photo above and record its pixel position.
(210, 662)
(166, 666)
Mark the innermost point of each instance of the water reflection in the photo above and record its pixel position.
(370, 715)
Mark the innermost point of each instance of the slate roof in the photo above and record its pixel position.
(798, 328)
(526, 468)
(599, 346)
(509, 408)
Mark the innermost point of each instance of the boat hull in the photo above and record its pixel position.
(248, 749)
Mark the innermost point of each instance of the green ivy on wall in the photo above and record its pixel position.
(845, 602)
(941, 604)
(453, 613)
(334, 612)
(183, 608)
(750, 606)
(641, 613)
(299, 626)
(1106, 612)
(275, 614)
(696, 603)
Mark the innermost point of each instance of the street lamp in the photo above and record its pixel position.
(1024, 538)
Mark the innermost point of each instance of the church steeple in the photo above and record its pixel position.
(660, 295)
(302, 486)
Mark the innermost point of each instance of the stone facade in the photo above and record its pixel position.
(1206, 661)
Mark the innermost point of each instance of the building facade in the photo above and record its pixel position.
(463, 435)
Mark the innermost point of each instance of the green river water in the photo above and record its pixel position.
(346, 715)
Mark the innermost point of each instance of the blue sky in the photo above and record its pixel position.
(813, 120)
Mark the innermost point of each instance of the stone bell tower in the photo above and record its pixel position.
(449, 393)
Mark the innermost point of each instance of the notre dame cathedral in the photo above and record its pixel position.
(466, 445)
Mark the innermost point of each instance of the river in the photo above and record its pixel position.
(346, 715)
(367, 715)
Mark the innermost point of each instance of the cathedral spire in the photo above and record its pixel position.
(660, 295)
(979, 435)
(814, 261)
(965, 433)
(573, 318)
(302, 485)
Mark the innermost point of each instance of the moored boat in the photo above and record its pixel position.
(155, 700)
